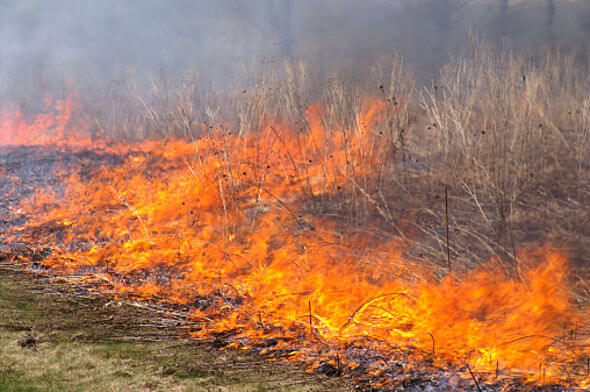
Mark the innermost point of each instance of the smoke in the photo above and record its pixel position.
(46, 43)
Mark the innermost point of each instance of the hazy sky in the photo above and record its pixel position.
(56, 40)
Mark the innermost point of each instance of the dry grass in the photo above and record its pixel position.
(508, 136)
(52, 340)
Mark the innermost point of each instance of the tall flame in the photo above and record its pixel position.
(52, 126)
(220, 224)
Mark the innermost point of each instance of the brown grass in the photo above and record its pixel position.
(508, 136)
(54, 339)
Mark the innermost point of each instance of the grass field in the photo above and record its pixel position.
(54, 341)
(330, 214)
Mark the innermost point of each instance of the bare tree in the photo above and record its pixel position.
(504, 8)
(279, 14)
(503, 22)
(550, 21)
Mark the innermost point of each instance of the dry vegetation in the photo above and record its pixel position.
(53, 339)
(508, 137)
(491, 158)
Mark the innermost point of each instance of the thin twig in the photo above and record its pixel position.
(132, 209)
(447, 224)
(433, 343)
(365, 304)
(310, 321)
(474, 378)
(516, 261)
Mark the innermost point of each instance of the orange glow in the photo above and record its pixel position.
(49, 127)
(220, 222)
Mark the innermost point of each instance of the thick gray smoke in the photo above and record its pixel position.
(44, 43)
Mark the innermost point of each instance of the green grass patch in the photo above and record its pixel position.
(12, 381)
(83, 344)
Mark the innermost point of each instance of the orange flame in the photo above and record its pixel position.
(222, 218)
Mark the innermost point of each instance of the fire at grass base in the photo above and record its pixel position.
(282, 240)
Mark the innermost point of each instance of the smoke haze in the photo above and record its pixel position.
(45, 43)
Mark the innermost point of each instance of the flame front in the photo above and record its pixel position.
(221, 226)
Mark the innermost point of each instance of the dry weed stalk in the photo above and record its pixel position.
(510, 138)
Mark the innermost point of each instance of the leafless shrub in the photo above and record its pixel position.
(503, 143)
(509, 137)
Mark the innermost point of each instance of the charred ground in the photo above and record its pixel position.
(307, 220)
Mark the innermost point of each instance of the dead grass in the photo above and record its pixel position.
(508, 136)
(55, 341)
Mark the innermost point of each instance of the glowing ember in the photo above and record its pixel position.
(219, 225)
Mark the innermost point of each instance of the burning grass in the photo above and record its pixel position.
(55, 338)
(319, 235)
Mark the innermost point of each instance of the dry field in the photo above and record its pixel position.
(58, 339)
(407, 237)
